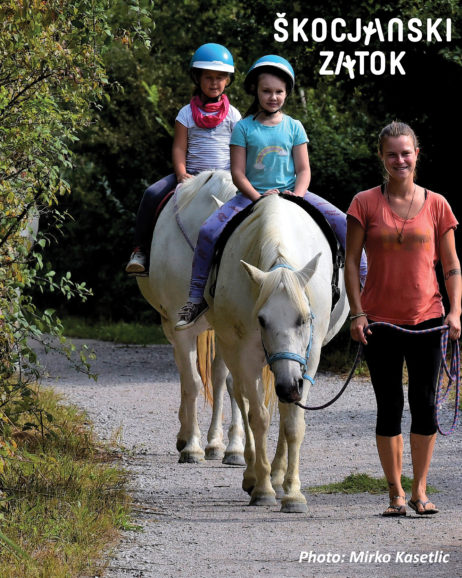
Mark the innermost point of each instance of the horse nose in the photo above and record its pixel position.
(289, 393)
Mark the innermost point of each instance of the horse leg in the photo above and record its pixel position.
(259, 419)
(279, 463)
(188, 438)
(248, 479)
(293, 423)
(215, 446)
(234, 453)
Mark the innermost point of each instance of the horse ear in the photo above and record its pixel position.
(255, 274)
(305, 274)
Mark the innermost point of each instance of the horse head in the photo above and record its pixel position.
(285, 321)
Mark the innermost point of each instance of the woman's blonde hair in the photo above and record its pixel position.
(394, 129)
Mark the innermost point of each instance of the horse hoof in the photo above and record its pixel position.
(190, 458)
(263, 500)
(234, 459)
(294, 508)
(180, 445)
(279, 492)
(213, 454)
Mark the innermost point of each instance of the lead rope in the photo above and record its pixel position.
(350, 375)
(453, 373)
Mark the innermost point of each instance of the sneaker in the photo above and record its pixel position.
(190, 313)
(137, 263)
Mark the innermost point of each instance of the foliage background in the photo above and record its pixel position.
(146, 56)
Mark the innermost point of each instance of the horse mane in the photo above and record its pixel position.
(206, 183)
(292, 286)
(266, 248)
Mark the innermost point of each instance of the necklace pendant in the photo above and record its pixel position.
(400, 238)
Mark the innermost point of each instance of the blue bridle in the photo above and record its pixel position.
(303, 361)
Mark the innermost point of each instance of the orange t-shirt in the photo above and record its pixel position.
(401, 285)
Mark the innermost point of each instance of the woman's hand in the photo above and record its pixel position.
(271, 192)
(357, 328)
(453, 320)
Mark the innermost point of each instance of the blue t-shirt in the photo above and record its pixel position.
(269, 161)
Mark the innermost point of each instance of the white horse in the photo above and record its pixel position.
(166, 290)
(273, 304)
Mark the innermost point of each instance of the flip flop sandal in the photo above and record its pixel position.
(415, 503)
(393, 511)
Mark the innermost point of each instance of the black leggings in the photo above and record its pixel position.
(385, 353)
(151, 199)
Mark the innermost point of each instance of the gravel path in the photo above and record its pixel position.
(195, 519)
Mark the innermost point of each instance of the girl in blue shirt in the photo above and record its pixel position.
(269, 155)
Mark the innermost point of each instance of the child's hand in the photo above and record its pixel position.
(271, 192)
(182, 178)
(293, 193)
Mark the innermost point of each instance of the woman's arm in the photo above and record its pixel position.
(302, 169)
(453, 282)
(180, 146)
(238, 165)
(354, 246)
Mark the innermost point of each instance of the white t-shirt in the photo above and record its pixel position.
(208, 148)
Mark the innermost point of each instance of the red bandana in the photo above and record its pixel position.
(212, 120)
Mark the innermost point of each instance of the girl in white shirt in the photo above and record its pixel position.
(201, 142)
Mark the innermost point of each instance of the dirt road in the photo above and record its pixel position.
(195, 519)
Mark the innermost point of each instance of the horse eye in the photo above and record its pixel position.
(261, 320)
(300, 321)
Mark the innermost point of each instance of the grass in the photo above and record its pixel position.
(362, 483)
(117, 332)
(62, 498)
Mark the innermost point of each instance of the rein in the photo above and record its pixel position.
(453, 373)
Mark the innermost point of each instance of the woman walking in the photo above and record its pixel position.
(405, 230)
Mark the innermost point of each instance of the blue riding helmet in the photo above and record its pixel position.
(266, 64)
(213, 57)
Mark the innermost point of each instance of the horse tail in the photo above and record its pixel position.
(205, 355)
(268, 387)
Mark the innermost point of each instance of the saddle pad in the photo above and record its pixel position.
(162, 204)
(335, 247)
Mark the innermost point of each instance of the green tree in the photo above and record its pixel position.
(51, 80)
(128, 146)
